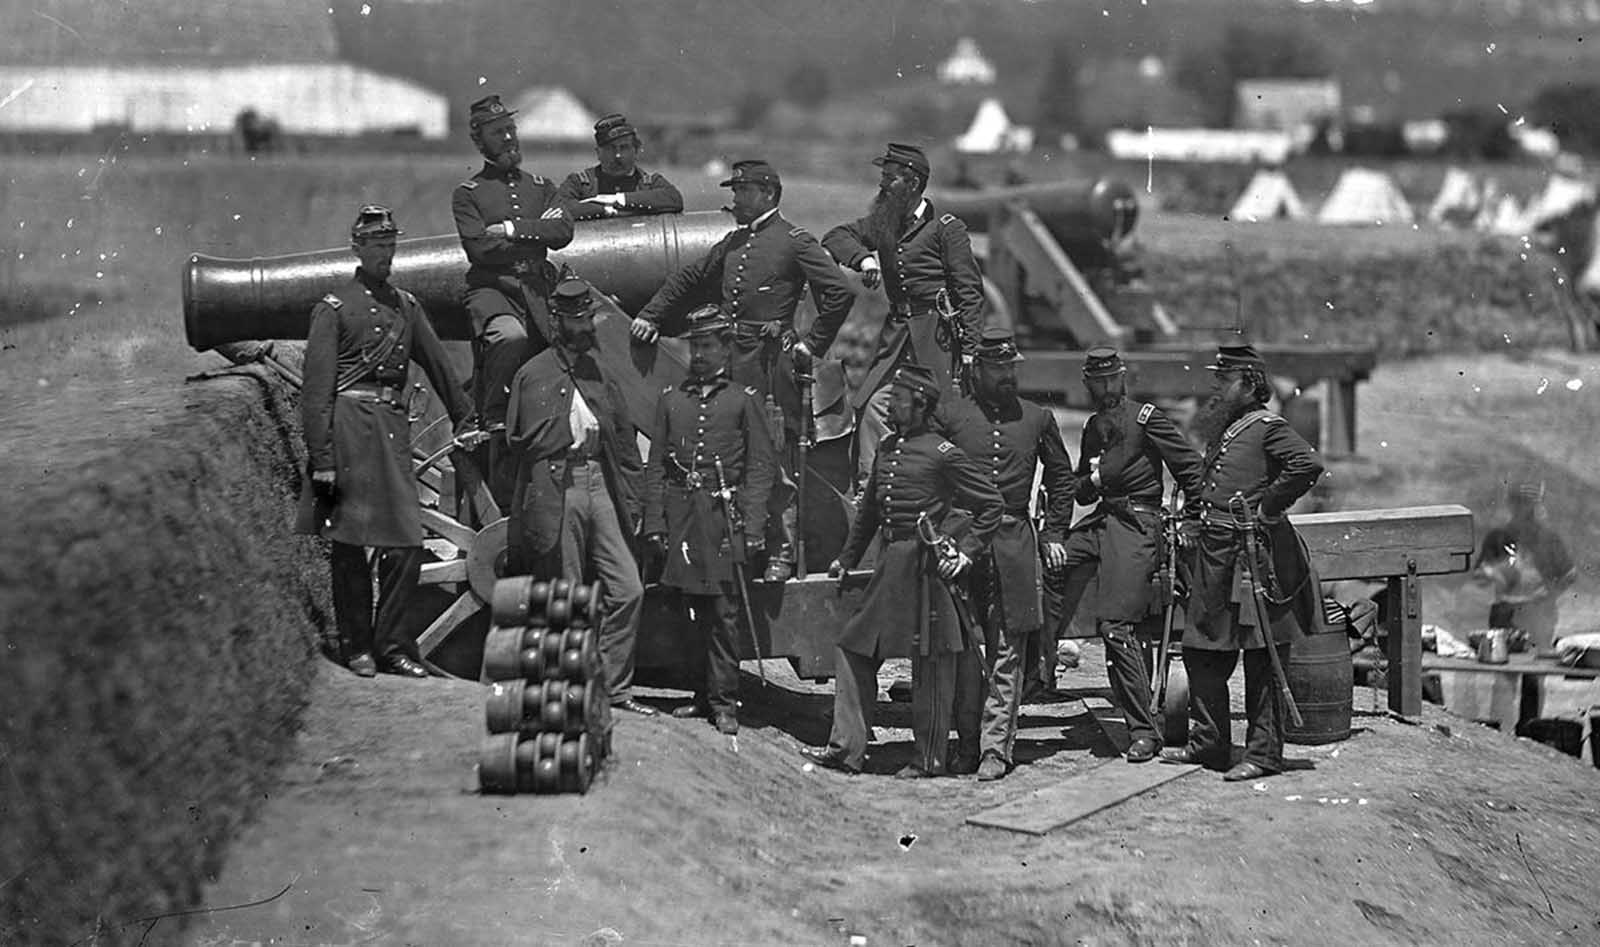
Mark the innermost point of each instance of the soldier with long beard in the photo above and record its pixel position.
(1255, 459)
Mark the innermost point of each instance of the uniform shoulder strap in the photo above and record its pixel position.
(752, 391)
(468, 184)
(1238, 427)
(799, 232)
(584, 175)
(1146, 410)
(333, 301)
(948, 219)
(946, 447)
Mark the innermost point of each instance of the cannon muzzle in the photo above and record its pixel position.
(1079, 214)
(271, 297)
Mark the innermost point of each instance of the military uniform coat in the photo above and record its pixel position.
(698, 423)
(907, 609)
(933, 255)
(538, 428)
(1009, 441)
(362, 335)
(758, 273)
(1260, 456)
(648, 193)
(502, 269)
(1124, 531)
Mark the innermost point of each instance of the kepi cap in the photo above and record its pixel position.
(709, 319)
(612, 127)
(752, 171)
(571, 297)
(374, 220)
(1102, 361)
(997, 344)
(918, 379)
(1238, 358)
(909, 155)
(486, 110)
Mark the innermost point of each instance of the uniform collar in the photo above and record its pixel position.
(636, 175)
(492, 170)
(762, 221)
(917, 213)
(371, 285)
(706, 384)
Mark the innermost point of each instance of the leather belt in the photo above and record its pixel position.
(1216, 516)
(1137, 506)
(755, 330)
(892, 535)
(372, 392)
(581, 455)
(696, 480)
(900, 312)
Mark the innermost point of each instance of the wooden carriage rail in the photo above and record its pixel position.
(800, 619)
(1181, 372)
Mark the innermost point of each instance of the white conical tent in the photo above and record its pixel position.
(1505, 218)
(1562, 192)
(988, 131)
(1363, 196)
(1269, 196)
(1459, 201)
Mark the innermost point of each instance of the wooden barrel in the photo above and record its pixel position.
(1323, 681)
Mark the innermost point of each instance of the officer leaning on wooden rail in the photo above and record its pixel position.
(759, 272)
(924, 261)
(575, 501)
(1118, 546)
(1255, 468)
(914, 604)
(508, 221)
(710, 433)
(617, 186)
(361, 492)
(1009, 437)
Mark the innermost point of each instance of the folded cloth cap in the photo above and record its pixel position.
(1102, 361)
(707, 320)
(752, 171)
(571, 297)
(916, 378)
(909, 155)
(374, 220)
(997, 344)
(612, 127)
(1236, 358)
(486, 110)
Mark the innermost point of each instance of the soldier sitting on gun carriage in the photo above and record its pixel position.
(507, 220)
(361, 493)
(706, 485)
(617, 186)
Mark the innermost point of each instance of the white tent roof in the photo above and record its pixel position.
(991, 130)
(1561, 193)
(966, 65)
(1269, 196)
(1504, 217)
(1459, 201)
(1363, 196)
(551, 113)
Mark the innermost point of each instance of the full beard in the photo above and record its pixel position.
(886, 216)
(507, 160)
(1106, 423)
(1219, 412)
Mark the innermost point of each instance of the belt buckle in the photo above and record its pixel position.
(693, 480)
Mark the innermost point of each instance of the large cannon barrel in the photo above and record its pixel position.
(231, 300)
(1093, 212)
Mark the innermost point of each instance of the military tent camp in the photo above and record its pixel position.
(1363, 196)
(1459, 202)
(1269, 196)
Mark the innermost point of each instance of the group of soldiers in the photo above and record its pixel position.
(948, 458)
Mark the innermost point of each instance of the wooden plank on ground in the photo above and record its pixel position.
(1045, 810)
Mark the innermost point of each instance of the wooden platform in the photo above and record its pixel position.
(1045, 810)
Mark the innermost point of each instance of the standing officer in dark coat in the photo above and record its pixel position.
(758, 272)
(924, 260)
(1118, 545)
(508, 220)
(575, 506)
(1254, 454)
(910, 606)
(617, 186)
(361, 492)
(1009, 437)
(706, 421)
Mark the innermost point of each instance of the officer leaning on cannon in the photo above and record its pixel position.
(617, 186)
(924, 261)
(758, 273)
(508, 220)
(361, 492)
(711, 468)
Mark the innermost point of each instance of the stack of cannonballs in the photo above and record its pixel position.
(548, 712)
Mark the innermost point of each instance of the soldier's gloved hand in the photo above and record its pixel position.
(871, 275)
(502, 229)
(607, 199)
(949, 568)
(802, 356)
(644, 330)
(1055, 556)
(500, 329)
(325, 483)
(469, 435)
(835, 569)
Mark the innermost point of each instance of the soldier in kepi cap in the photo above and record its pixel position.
(1255, 468)
(575, 505)
(617, 186)
(508, 220)
(758, 272)
(924, 261)
(1118, 545)
(361, 493)
(912, 605)
(709, 431)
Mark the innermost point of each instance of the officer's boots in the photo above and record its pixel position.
(781, 565)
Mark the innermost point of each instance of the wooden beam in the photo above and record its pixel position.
(1375, 544)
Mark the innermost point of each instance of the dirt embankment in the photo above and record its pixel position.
(158, 629)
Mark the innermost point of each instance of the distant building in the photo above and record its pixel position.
(553, 115)
(966, 65)
(1199, 144)
(192, 67)
(1291, 105)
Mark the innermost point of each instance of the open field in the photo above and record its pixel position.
(1468, 837)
